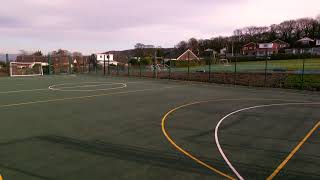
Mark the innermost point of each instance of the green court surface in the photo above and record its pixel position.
(88, 127)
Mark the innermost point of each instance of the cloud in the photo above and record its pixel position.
(100, 25)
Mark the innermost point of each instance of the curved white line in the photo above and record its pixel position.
(240, 110)
(53, 87)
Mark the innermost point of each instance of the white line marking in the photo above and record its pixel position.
(25, 90)
(240, 110)
(54, 87)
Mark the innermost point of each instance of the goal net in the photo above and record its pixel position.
(26, 69)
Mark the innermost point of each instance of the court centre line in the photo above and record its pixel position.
(84, 97)
(245, 109)
(294, 151)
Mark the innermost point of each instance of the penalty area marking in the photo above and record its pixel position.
(245, 109)
(58, 87)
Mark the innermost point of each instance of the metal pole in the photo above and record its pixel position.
(303, 70)
(117, 69)
(129, 66)
(266, 69)
(210, 61)
(235, 70)
(169, 65)
(104, 64)
(7, 63)
(154, 65)
(188, 65)
(108, 64)
(49, 64)
(70, 59)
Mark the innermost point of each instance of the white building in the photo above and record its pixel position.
(107, 57)
(318, 42)
(104, 56)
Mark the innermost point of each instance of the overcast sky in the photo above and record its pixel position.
(102, 25)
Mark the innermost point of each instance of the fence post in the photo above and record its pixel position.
(266, 69)
(69, 64)
(188, 66)
(154, 65)
(128, 69)
(117, 69)
(108, 65)
(104, 64)
(49, 64)
(140, 73)
(235, 70)
(7, 64)
(210, 61)
(303, 70)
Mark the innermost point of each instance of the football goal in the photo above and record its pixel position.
(25, 69)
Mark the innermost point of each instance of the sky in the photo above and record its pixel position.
(92, 26)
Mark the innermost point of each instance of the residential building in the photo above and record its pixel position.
(261, 49)
(249, 49)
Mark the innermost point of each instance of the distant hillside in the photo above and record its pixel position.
(12, 57)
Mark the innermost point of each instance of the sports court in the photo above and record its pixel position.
(93, 127)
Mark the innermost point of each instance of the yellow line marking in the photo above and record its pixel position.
(294, 151)
(82, 97)
(185, 152)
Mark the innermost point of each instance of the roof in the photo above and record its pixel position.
(249, 44)
(306, 39)
(280, 41)
(188, 51)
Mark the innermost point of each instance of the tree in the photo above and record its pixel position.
(193, 45)
(182, 46)
(37, 53)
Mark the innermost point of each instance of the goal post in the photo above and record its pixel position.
(24, 69)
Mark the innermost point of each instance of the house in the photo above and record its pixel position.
(280, 44)
(188, 56)
(107, 58)
(261, 49)
(249, 49)
(270, 48)
(305, 41)
(104, 56)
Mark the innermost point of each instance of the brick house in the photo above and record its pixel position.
(261, 49)
(249, 49)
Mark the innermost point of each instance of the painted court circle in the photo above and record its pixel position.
(76, 87)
